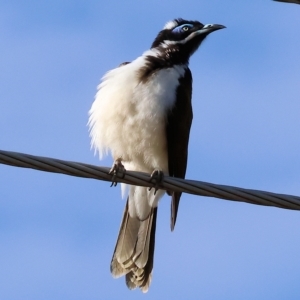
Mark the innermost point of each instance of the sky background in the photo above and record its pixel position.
(57, 233)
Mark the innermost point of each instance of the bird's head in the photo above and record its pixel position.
(183, 36)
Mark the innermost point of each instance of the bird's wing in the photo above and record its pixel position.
(178, 126)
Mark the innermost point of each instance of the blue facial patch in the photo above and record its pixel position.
(179, 29)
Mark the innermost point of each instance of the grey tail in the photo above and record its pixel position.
(134, 251)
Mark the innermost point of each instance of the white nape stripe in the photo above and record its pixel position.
(171, 24)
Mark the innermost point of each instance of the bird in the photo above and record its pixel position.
(142, 115)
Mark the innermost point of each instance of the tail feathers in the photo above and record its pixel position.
(127, 237)
(133, 255)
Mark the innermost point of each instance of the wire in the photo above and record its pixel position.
(289, 1)
(143, 179)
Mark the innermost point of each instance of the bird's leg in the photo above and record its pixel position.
(117, 170)
(157, 177)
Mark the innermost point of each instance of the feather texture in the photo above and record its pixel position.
(128, 118)
(134, 251)
(178, 130)
(142, 115)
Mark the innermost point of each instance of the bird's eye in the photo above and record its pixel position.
(182, 28)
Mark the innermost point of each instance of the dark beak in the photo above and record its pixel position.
(208, 28)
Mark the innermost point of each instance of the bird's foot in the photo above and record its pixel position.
(157, 178)
(117, 170)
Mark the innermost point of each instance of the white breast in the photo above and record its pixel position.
(128, 117)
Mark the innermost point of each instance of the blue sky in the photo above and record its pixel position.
(57, 233)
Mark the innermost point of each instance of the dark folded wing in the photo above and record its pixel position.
(178, 126)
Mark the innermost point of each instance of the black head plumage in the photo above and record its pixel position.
(183, 37)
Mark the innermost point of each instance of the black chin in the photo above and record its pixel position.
(192, 45)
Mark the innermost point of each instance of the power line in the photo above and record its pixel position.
(289, 1)
(143, 179)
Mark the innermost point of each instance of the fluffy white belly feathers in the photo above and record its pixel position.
(128, 116)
